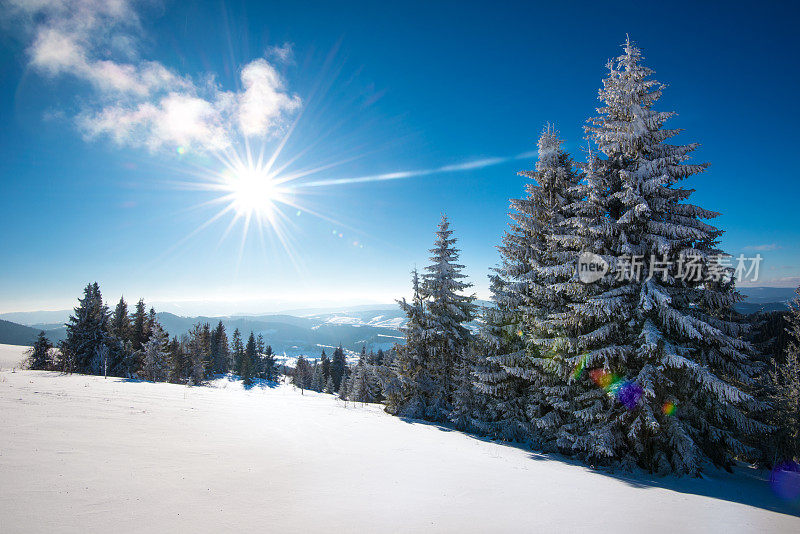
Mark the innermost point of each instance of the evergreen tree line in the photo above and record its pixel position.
(656, 371)
(135, 345)
(370, 380)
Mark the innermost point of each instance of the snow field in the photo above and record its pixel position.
(82, 453)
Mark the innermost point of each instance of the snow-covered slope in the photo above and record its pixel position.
(11, 356)
(84, 454)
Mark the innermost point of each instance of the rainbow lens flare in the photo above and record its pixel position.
(603, 378)
(579, 367)
(629, 394)
(668, 408)
(785, 480)
(625, 391)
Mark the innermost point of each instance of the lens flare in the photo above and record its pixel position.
(785, 481)
(579, 367)
(602, 378)
(627, 392)
(668, 408)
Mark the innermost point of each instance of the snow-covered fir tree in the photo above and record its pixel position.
(338, 366)
(268, 364)
(657, 340)
(303, 373)
(237, 351)
(436, 334)
(343, 391)
(317, 379)
(362, 386)
(466, 401)
(120, 326)
(156, 360)
(39, 357)
(196, 351)
(139, 334)
(786, 388)
(502, 396)
(416, 385)
(388, 373)
(207, 343)
(177, 362)
(519, 368)
(87, 331)
(247, 366)
(448, 309)
(325, 363)
(220, 352)
(258, 366)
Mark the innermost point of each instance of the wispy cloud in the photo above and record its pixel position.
(398, 175)
(763, 248)
(783, 281)
(145, 103)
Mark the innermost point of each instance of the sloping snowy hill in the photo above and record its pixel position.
(12, 356)
(80, 453)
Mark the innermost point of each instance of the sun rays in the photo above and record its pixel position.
(261, 187)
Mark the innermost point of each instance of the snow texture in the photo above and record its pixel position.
(87, 454)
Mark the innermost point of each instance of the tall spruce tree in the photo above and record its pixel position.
(519, 367)
(177, 362)
(317, 381)
(302, 374)
(260, 369)
(248, 362)
(325, 362)
(786, 381)
(502, 395)
(466, 401)
(139, 326)
(338, 366)
(344, 392)
(660, 339)
(237, 351)
(362, 387)
(220, 357)
(87, 332)
(39, 358)
(120, 326)
(415, 383)
(197, 352)
(448, 309)
(156, 364)
(329, 388)
(270, 365)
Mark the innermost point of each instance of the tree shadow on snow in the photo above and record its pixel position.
(257, 383)
(745, 485)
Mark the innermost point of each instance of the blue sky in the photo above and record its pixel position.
(119, 117)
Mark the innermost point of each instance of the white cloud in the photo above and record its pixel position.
(263, 102)
(785, 281)
(145, 103)
(763, 248)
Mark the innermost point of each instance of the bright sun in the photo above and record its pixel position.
(252, 191)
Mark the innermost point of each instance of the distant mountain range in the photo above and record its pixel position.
(287, 334)
(18, 334)
(308, 331)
